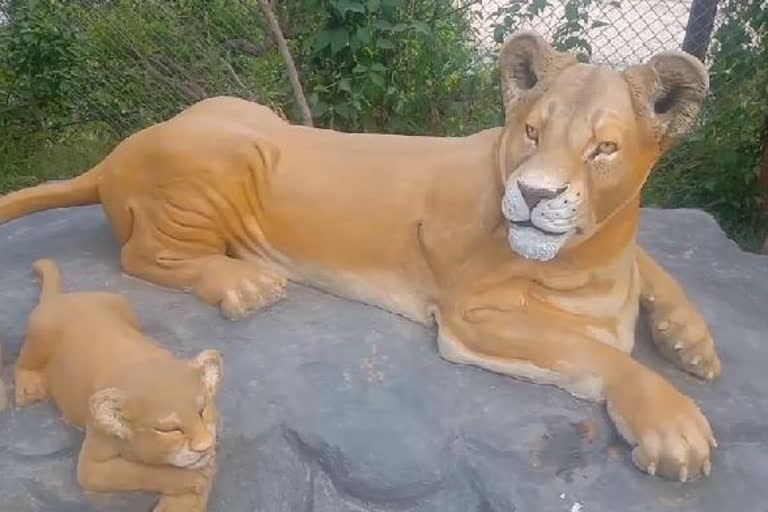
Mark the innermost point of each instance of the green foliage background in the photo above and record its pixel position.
(76, 76)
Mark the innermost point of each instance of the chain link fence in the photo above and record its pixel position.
(81, 73)
(613, 33)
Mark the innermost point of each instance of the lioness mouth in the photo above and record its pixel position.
(529, 224)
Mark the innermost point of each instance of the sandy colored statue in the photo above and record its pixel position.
(518, 242)
(150, 419)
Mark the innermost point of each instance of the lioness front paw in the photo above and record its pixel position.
(683, 336)
(670, 435)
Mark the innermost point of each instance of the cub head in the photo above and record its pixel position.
(581, 139)
(162, 411)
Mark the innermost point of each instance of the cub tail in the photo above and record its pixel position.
(79, 191)
(50, 278)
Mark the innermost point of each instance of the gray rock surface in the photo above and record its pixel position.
(332, 406)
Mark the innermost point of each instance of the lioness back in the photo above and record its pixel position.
(336, 210)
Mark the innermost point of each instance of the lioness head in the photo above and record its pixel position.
(163, 411)
(580, 139)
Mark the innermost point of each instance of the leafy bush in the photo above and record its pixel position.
(718, 168)
(398, 66)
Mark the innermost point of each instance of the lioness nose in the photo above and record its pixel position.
(534, 195)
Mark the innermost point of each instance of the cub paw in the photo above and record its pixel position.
(683, 337)
(670, 435)
(30, 387)
(180, 503)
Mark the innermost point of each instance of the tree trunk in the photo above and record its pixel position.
(293, 75)
(698, 32)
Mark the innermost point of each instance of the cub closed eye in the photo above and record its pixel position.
(164, 430)
(606, 148)
(532, 133)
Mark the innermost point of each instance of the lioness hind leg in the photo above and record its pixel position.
(237, 287)
(677, 328)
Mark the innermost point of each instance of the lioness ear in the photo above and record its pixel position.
(668, 92)
(528, 63)
(106, 407)
(211, 364)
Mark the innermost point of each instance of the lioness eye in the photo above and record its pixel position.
(607, 148)
(532, 133)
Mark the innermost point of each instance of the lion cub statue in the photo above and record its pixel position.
(150, 419)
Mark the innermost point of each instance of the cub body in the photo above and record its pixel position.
(149, 418)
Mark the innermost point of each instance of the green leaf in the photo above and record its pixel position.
(339, 39)
(383, 25)
(345, 110)
(571, 11)
(364, 35)
(345, 6)
(373, 5)
(385, 44)
(377, 79)
(354, 42)
(360, 69)
(422, 27)
(599, 23)
(537, 7)
(400, 27)
(498, 33)
(345, 85)
(321, 40)
(378, 67)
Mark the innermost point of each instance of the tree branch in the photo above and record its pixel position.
(293, 74)
(238, 81)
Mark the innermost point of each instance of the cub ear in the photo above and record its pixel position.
(211, 365)
(528, 64)
(106, 408)
(667, 92)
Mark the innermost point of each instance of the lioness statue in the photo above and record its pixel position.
(150, 419)
(518, 242)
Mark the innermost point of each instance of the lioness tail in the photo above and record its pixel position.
(78, 191)
(50, 278)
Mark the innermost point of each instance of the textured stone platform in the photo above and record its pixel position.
(332, 406)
